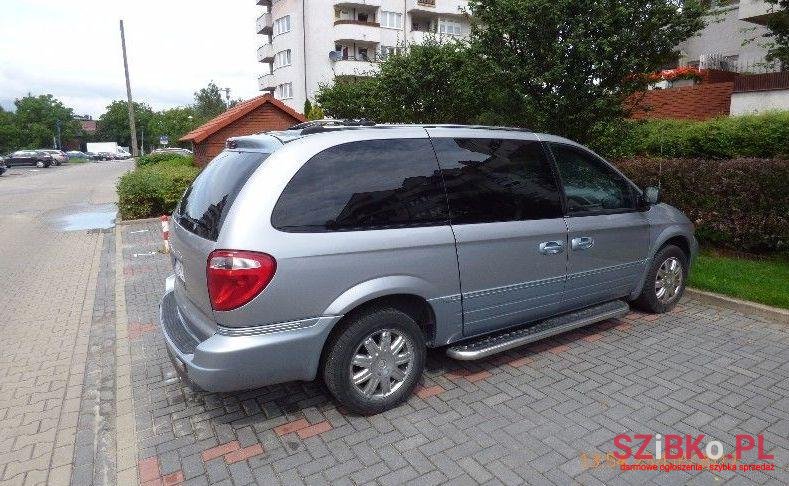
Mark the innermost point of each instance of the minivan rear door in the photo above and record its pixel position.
(506, 213)
(198, 220)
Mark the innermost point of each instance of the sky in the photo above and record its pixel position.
(72, 50)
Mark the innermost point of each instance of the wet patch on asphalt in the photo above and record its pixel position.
(87, 217)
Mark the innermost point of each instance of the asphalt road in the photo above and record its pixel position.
(48, 268)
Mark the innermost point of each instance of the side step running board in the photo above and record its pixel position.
(512, 338)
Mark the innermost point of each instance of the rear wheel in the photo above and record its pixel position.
(375, 360)
(665, 282)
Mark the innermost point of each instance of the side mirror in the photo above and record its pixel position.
(651, 196)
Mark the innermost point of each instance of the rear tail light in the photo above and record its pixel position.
(236, 277)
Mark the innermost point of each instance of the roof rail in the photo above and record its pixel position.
(326, 122)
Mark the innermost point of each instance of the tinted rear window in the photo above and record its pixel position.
(494, 180)
(365, 185)
(206, 203)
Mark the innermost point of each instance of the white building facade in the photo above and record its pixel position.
(307, 43)
(732, 39)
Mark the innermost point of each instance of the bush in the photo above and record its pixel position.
(740, 204)
(154, 189)
(162, 157)
(763, 136)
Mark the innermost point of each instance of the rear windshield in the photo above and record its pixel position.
(206, 203)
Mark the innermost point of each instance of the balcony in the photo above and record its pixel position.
(755, 11)
(356, 30)
(265, 24)
(443, 7)
(357, 3)
(266, 82)
(419, 36)
(352, 67)
(266, 53)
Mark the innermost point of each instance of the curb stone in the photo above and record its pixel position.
(739, 305)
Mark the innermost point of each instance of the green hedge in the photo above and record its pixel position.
(741, 204)
(154, 189)
(161, 157)
(763, 136)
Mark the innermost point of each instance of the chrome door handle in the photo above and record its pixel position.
(582, 243)
(551, 247)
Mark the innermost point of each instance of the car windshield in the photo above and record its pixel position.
(207, 201)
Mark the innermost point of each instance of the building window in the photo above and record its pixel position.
(282, 58)
(282, 25)
(392, 20)
(450, 27)
(387, 51)
(284, 91)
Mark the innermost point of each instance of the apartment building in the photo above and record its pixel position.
(307, 43)
(732, 39)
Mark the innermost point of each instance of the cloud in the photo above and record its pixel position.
(175, 47)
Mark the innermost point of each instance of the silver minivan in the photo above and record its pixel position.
(344, 251)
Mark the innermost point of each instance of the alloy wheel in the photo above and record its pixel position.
(381, 363)
(668, 280)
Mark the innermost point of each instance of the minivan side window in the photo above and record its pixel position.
(590, 185)
(365, 185)
(494, 180)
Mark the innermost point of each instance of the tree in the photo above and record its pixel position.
(307, 107)
(37, 119)
(778, 32)
(174, 123)
(566, 65)
(560, 66)
(209, 102)
(316, 113)
(113, 125)
(9, 132)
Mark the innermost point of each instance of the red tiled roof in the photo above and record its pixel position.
(237, 112)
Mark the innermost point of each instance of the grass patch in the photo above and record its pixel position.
(763, 280)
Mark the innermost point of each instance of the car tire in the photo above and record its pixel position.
(359, 350)
(665, 281)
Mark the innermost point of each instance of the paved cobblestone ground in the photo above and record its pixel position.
(48, 291)
(524, 417)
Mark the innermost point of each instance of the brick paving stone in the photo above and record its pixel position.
(244, 454)
(313, 430)
(524, 417)
(220, 450)
(289, 427)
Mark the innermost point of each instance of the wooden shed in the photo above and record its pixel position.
(259, 114)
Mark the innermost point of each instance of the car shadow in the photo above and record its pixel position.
(289, 401)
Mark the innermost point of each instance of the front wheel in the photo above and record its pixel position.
(665, 282)
(375, 360)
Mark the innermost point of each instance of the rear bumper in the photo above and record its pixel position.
(240, 359)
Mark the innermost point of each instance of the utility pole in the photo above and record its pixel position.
(59, 143)
(132, 127)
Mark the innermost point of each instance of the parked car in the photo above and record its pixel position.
(58, 156)
(76, 154)
(345, 252)
(106, 156)
(30, 157)
(173, 150)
